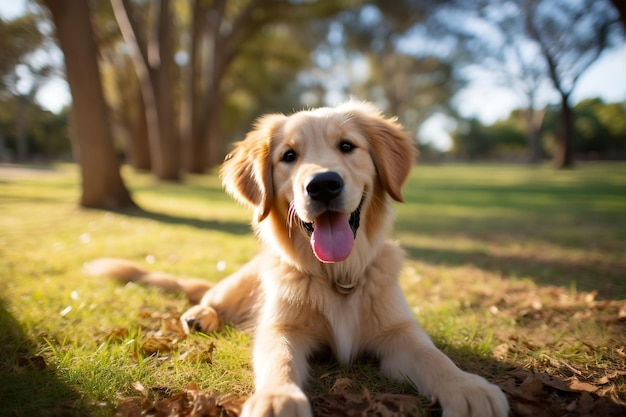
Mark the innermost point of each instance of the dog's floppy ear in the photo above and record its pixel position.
(247, 171)
(391, 147)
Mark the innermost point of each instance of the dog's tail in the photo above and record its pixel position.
(127, 271)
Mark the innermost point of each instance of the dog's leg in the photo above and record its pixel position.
(281, 369)
(232, 300)
(408, 352)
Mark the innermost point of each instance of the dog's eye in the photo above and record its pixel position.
(289, 156)
(346, 147)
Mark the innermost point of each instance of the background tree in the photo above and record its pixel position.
(599, 133)
(102, 185)
(571, 36)
(20, 74)
(153, 61)
(598, 129)
(409, 73)
(207, 38)
(497, 50)
(46, 132)
(528, 44)
(620, 5)
(121, 88)
(502, 140)
(222, 33)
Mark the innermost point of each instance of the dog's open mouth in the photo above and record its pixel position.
(332, 234)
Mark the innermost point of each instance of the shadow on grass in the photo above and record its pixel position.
(608, 280)
(234, 228)
(28, 386)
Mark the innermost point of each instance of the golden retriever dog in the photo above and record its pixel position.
(319, 182)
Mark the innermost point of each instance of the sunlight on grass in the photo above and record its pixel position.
(499, 260)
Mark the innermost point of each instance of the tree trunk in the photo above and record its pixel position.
(132, 116)
(215, 59)
(192, 144)
(138, 145)
(212, 134)
(534, 119)
(152, 62)
(162, 77)
(564, 156)
(209, 126)
(102, 184)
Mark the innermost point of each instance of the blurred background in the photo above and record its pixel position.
(496, 80)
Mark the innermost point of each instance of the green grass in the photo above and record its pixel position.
(500, 260)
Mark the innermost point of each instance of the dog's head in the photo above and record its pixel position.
(320, 174)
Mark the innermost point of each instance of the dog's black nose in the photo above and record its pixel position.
(325, 186)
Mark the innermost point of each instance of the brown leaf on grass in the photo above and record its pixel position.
(202, 354)
(578, 385)
(117, 335)
(341, 386)
(154, 345)
(341, 402)
(365, 404)
(540, 394)
(187, 403)
(133, 407)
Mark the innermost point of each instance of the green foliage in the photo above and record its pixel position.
(599, 128)
(599, 132)
(46, 132)
(18, 39)
(503, 139)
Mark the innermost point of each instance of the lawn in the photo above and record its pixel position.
(518, 273)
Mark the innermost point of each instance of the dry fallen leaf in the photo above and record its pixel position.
(187, 403)
(154, 345)
(578, 385)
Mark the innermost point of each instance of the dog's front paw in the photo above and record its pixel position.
(470, 395)
(200, 318)
(285, 401)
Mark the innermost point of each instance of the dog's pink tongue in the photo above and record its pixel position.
(332, 237)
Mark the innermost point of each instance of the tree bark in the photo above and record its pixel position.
(161, 77)
(192, 147)
(153, 64)
(102, 184)
(138, 146)
(132, 116)
(564, 157)
(211, 48)
(534, 120)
